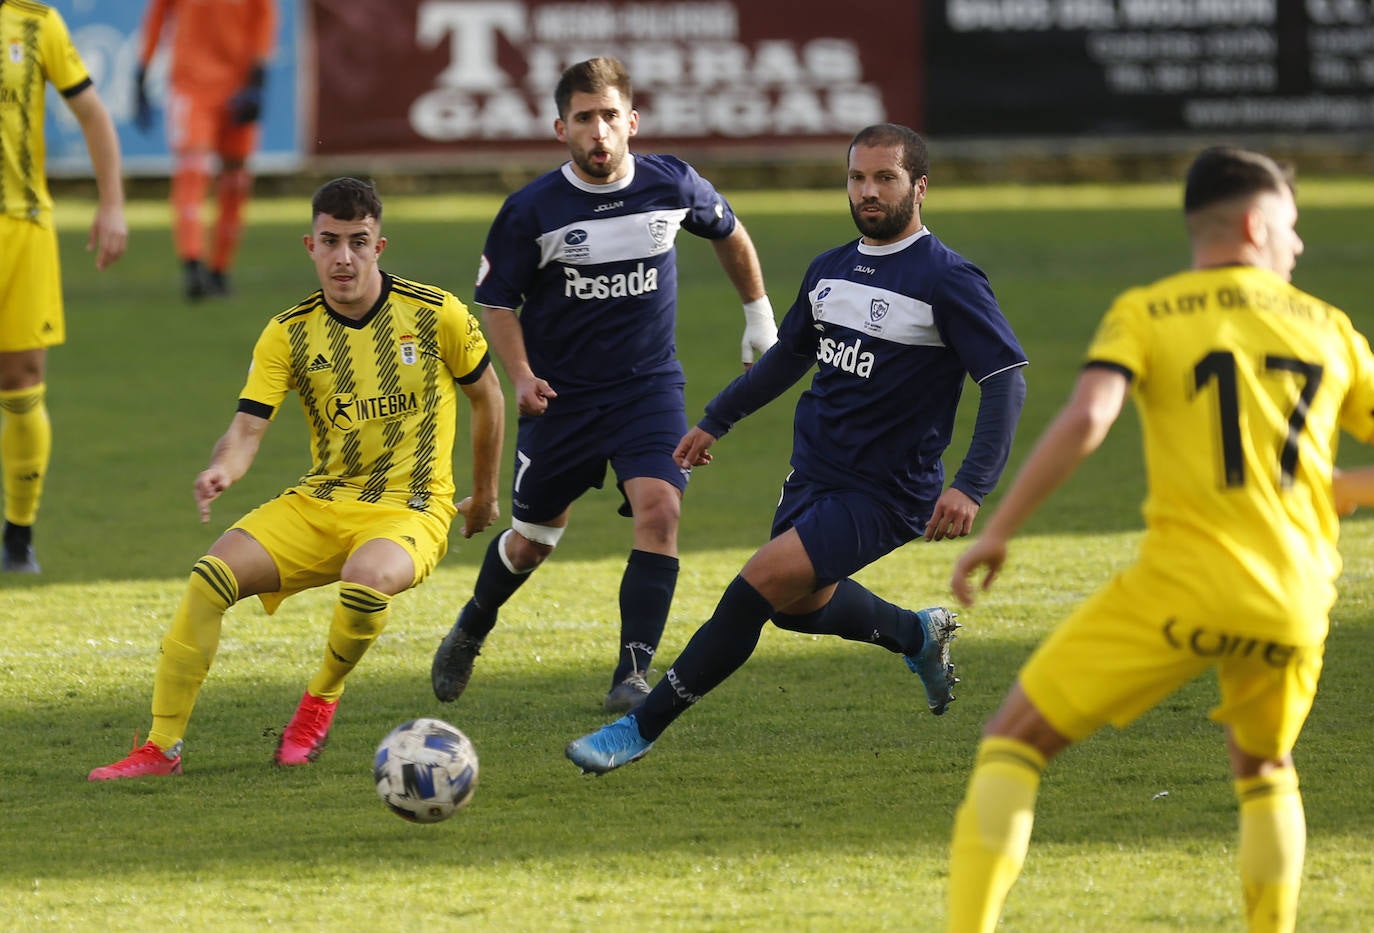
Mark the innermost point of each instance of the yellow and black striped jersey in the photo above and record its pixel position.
(1243, 383)
(378, 393)
(37, 50)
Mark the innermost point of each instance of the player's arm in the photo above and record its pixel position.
(488, 404)
(740, 261)
(1352, 489)
(502, 327)
(233, 455)
(1001, 397)
(775, 372)
(109, 232)
(1078, 430)
(153, 18)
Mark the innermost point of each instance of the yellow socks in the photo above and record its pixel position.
(189, 647)
(1273, 841)
(25, 446)
(359, 618)
(992, 831)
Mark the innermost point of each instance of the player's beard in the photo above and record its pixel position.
(890, 224)
(603, 170)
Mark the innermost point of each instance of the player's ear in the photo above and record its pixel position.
(632, 122)
(560, 130)
(381, 245)
(309, 242)
(1256, 227)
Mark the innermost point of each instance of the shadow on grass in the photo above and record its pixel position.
(815, 745)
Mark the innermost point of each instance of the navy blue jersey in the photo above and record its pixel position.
(592, 270)
(895, 330)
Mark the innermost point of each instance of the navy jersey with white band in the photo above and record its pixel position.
(895, 330)
(592, 270)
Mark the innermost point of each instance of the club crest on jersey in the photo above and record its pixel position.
(408, 354)
(877, 309)
(16, 52)
(658, 230)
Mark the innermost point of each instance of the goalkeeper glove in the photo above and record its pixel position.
(143, 111)
(760, 331)
(246, 105)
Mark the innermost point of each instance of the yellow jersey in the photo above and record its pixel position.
(37, 50)
(378, 393)
(1243, 383)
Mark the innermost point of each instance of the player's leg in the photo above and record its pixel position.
(233, 187)
(641, 436)
(779, 572)
(992, 826)
(31, 320)
(646, 586)
(25, 449)
(1110, 661)
(388, 551)
(552, 469)
(237, 565)
(1265, 699)
(843, 531)
(191, 130)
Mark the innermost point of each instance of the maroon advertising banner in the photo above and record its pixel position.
(462, 80)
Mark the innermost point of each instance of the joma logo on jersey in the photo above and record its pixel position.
(846, 356)
(588, 287)
(345, 411)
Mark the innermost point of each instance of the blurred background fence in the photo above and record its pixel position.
(764, 93)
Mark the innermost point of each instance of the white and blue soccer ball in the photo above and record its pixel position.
(426, 770)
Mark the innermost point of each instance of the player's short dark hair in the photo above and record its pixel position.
(1224, 173)
(592, 77)
(347, 199)
(915, 157)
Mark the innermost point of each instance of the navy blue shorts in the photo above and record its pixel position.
(843, 530)
(558, 457)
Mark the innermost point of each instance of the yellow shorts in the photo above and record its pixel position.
(1115, 658)
(309, 539)
(30, 286)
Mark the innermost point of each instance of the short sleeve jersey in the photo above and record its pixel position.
(592, 270)
(378, 393)
(37, 51)
(1243, 383)
(895, 331)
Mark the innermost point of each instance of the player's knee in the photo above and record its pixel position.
(658, 519)
(383, 578)
(526, 546)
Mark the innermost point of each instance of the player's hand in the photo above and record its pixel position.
(694, 449)
(953, 516)
(478, 515)
(986, 552)
(108, 237)
(246, 104)
(760, 330)
(209, 484)
(532, 396)
(143, 110)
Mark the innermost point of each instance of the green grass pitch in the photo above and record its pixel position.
(812, 791)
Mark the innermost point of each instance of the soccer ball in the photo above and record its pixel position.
(426, 770)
